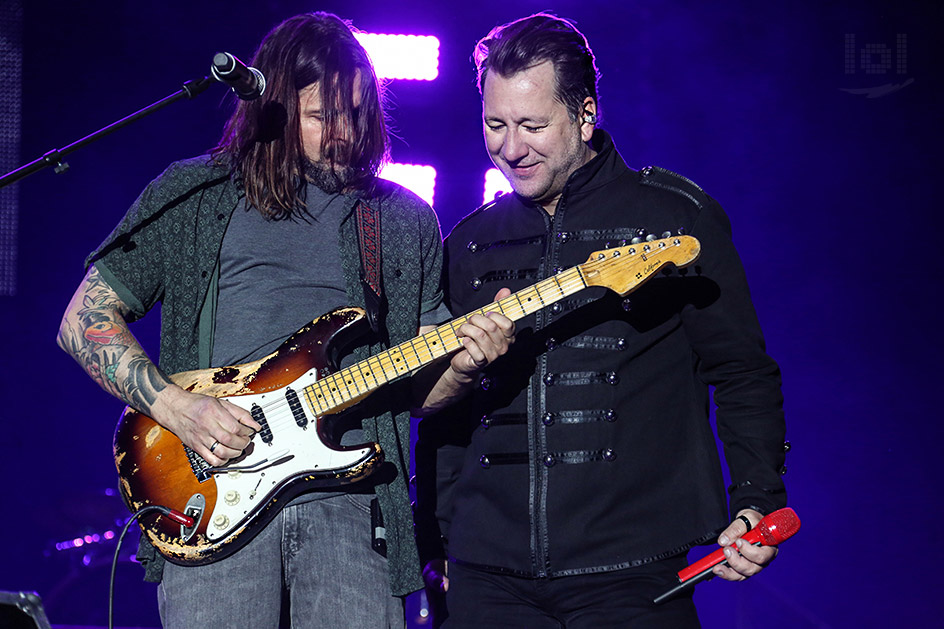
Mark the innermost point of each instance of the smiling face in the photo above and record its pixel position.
(530, 135)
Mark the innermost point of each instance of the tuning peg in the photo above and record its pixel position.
(650, 237)
(666, 234)
(635, 241)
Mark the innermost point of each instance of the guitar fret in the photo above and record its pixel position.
(442, 348)
(313, 404)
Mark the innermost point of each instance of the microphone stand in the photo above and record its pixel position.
(54, 157)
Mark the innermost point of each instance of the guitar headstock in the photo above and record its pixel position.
(622, 269)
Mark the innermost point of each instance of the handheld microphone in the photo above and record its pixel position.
(247, 82)
(770, 531)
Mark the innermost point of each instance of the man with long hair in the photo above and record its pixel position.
(242, 248)
(575, 480)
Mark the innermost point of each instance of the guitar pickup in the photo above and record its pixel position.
(266, 433)
(297, 411)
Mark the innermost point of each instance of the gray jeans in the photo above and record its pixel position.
(317, 553)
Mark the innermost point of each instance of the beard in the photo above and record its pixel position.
(331, 178)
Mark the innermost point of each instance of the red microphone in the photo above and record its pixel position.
(770, 531)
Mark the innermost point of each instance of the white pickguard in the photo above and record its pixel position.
(293, 451)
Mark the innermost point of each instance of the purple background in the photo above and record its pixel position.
(833, 196)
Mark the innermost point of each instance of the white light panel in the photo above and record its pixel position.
(402, 56)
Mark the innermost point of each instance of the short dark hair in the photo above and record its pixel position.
(524, 43)
(262, 141)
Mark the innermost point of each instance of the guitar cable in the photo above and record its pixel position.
(167, 512)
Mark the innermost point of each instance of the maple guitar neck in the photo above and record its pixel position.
(620, 269)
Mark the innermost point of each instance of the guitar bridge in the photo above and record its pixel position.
(199, 466)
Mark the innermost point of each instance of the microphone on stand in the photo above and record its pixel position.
(770, 531)
(247, 82)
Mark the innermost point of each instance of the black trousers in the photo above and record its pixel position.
(621, 598)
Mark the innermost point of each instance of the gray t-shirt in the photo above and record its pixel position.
(276, 276)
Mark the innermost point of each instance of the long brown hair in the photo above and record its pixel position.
(262, 142)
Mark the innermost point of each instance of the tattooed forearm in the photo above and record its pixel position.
(144, 382)
(95, 333)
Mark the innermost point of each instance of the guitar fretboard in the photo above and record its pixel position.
(361, 378)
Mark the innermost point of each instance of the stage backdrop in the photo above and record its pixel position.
(817, 125)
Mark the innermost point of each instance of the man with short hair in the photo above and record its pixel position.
(574, 480)
(242, 248)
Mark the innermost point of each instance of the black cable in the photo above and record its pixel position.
(114, 561)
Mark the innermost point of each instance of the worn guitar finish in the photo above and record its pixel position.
(293, 393)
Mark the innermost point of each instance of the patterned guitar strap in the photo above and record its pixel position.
(368, 240)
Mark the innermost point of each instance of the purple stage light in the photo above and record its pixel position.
(495, 182)
(419, 178)
(402, 56)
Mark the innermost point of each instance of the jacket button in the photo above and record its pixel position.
(548, 379)
(486, 421)
(558, 269)
(473, 246)
(203, 274)
(476, 283)
(549, 460)
(612, 378)
(621, 344)
(783, 470)
(787, 446)
(485, 383)
(484, 461)
(220, 216)
(627, 304)
(548, 419)
(551, 343)
(556, 308)
(563, 236)
(610, 415)
(609, 455)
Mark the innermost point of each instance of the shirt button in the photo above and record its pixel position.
(610, 415)
(612, 378)
(486, 421)
(556, 308)
(483, 460)
(551, 343)
(549, 379)
(549, 460)
(609, 455)
(476, 283)
(485, 383)
(473, 246)
(548, 419)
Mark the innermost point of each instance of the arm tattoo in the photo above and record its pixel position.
(95, 333)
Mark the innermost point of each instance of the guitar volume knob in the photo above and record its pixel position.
(231, 497)
(221, 522)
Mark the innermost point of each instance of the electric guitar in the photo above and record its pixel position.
(293, 394)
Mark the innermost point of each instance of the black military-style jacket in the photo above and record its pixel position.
(588, 447)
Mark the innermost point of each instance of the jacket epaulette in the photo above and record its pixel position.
(481, 208)
(667, 180)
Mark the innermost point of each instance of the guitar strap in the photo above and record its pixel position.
(368, 240)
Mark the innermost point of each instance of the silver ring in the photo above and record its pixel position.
(213, 447)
